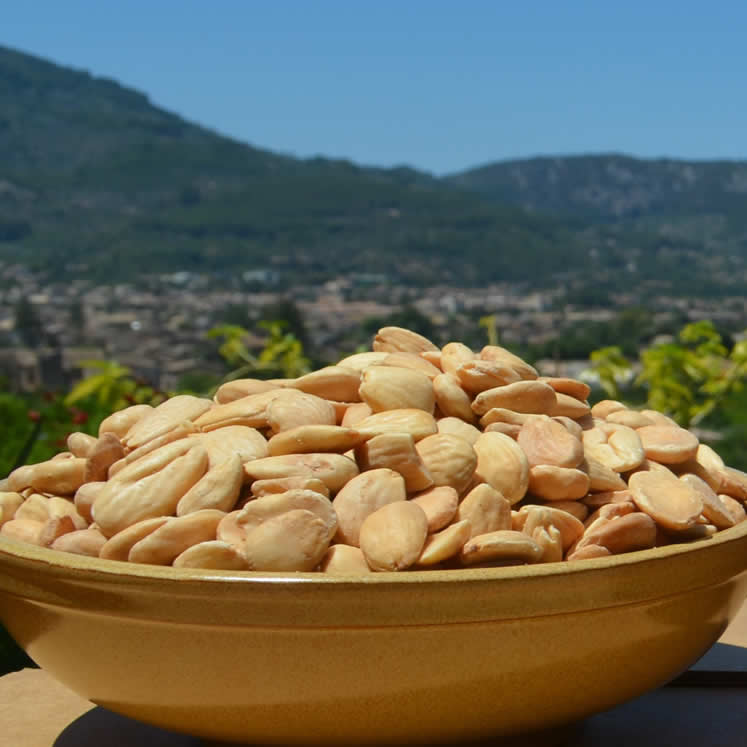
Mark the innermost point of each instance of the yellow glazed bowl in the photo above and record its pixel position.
(415, 656)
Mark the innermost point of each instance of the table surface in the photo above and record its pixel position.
(37, 711)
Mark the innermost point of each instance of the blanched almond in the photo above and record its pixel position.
(86, 542)
(557, 483)
(23, 530)
(602, 479)
(121, 421)
(139, 464)
(714, 508)
(344, 560)
(451, 399)
(171, 539)
(445, 544)
(212, 554)
(669, 502)
(569, 526)
(626, 443)
(393, 339)
(283, 484)
(631, 418)
(165, 417)
(634, 531)
(395, 451)
(501, 545)
(386, 388)
(567, 406)
(734, 483)
(603, 408)
(355, 414)
(594, 500)
(477, 375)
(107, 450)
(411, 360)
(418, 423)
(258, 511)
(119, 545)
(502, 415)
(10, 502)
(223, 443)
(118, 506)
(668, 444)
(439, 504)
(485, 509)
(291, 541)
(286, 413)
(546, 441)
(361, 361)
(453, 355)
(457, 427)
(334, 470)
(522, 396)
(392, 538)
(218, 488)
(550, 541)
(81, 444)
(564, 385)
(501, 355)
(576, 509)
(449, 459)
(35, 508)
(363, 495)
(305, 439)
(589, 551)
(58, 476)
(502, 464)
(85, 495)
(512, 431)
(239, 388)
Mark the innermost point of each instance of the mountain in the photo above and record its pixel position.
(97, 182)
(613, 187)
(95, 179)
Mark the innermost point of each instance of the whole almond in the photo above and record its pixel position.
(363, 495)
(502, 464)
(392, 538)
(386, 388)
(292, 541)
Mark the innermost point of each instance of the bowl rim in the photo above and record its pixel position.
(86, 566)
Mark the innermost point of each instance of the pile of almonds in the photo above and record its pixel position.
(408, 456)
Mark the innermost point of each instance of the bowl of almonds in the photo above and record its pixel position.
(416, 544)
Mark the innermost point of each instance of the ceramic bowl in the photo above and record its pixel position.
(409, 657)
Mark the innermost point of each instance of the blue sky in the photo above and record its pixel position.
(441, 86)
